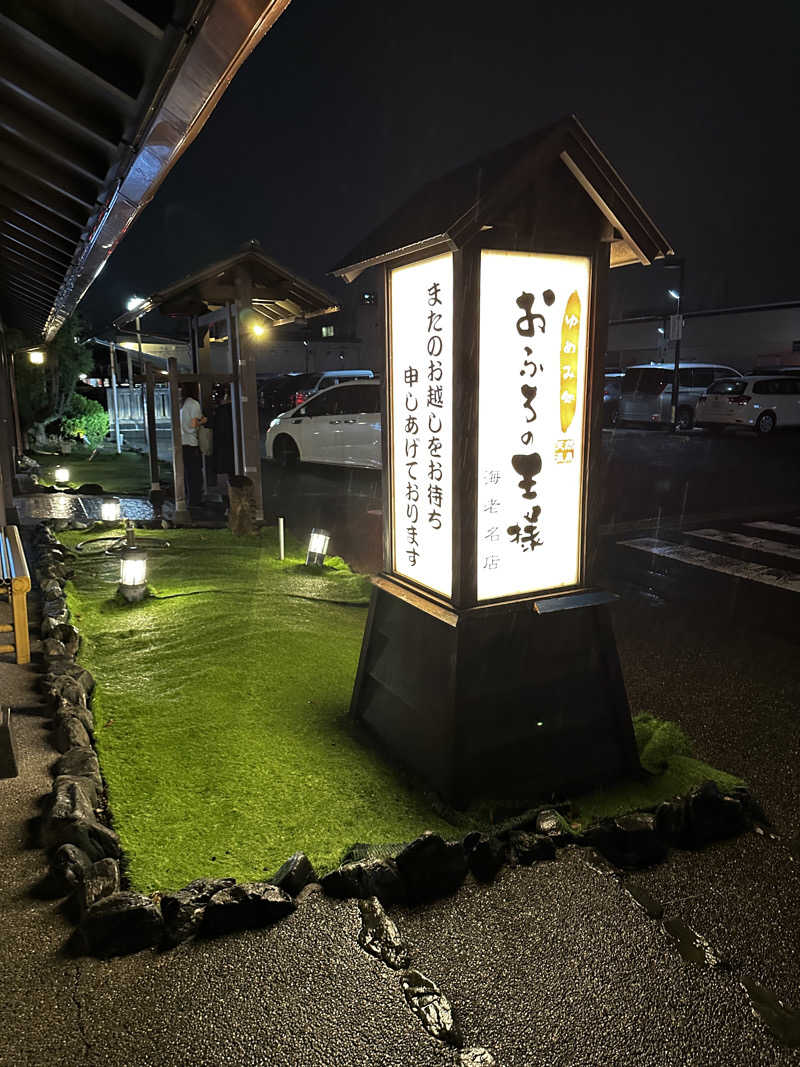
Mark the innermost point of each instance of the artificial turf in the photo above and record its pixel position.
(127, 474)
(221, 715)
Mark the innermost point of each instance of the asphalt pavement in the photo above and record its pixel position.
(551, 965)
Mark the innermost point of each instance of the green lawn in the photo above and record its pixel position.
(221, 715)
(127, 474)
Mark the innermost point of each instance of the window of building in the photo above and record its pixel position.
(369, 298)
(327, 331)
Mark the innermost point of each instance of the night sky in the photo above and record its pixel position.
(345, 108)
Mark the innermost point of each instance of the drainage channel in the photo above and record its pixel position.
(782, 1022)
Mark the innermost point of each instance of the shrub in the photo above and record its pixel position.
(85, 417)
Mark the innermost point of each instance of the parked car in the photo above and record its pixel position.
(758, 401)
(646, 395)
(340, 425)
(612, 387)
(286, 391)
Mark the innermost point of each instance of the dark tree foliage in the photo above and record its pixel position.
(44, 392)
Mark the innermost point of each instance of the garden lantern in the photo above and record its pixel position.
(133, 573)
(109, 510)
(36, 356)
(317, 548)
(61, 475)
(489, 665)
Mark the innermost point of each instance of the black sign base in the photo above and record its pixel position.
(508, 702)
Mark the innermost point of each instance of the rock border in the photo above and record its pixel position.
(85, 852)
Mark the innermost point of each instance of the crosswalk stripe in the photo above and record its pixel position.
(699, 557)
(755, 544)
(775, 527)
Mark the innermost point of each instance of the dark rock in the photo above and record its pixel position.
(750, 806)
(528, 848)
(431, 1007)
(51, 590)
(431, 867)
(703, 815)
(79, 763)
(552, 824)
(485, 857)
(380, 937)
(631, 841)
(122, 923)
(89, 489)
(69, 819)
(69, 867)
(86, 785)
(296, 873)
(183, 911)
(56, 609)
(102, 879)
(53, 649)
(71, 733)
(69, 637)
(366, 878)
(245, 906)
(471, 840)
(64, 709)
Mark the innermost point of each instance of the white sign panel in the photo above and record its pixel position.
(421, 404)
(534, 319)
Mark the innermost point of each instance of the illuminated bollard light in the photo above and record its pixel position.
(109, 510)
(133, 573)
(62, 474)
(317, 548)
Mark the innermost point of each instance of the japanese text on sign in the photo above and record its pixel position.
(533, 337)
(421, 411)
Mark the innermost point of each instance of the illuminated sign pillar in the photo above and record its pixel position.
(489, 666)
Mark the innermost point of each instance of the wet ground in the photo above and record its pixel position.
(552, 965)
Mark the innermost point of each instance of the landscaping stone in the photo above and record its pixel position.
(70, 733)
(702, 816)
(485, 856)
(183, 911)
(380, 937)
(630, 841)
(476, 1057)
(431, 1007)
(296, 873)
(56, 609)
(89, 489)
(367, 878)
(65, 708)
(528, 848)
(53, 649)
(69, 637)
(431, 867)
(552, 824)
(101, 880)
(86, 785)
(80, 763)
(245, 906)
(69, 867)
(122, 923)
(69, 819)
(51, 590)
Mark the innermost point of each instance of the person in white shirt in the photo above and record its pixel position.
(191, 418)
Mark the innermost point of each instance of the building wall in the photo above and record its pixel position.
(740, 339)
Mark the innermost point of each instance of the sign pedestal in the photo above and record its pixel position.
(496, 702)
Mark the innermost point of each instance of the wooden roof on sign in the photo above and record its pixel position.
(450, 210)
(282, 297)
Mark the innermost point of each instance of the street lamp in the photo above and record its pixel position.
(675, 295)
(36, 357)
(675, 331)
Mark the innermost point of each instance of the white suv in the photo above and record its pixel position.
(759, 401)
(341, 425)
(646, 391)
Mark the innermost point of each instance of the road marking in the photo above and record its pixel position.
(756, 544)
(776, 527)
(712, 561)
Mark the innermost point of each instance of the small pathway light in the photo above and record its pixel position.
(317, 548)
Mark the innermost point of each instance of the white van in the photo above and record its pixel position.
(759, 402)
(646, 392)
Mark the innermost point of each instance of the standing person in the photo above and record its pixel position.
(191, 418)
(223, 441)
